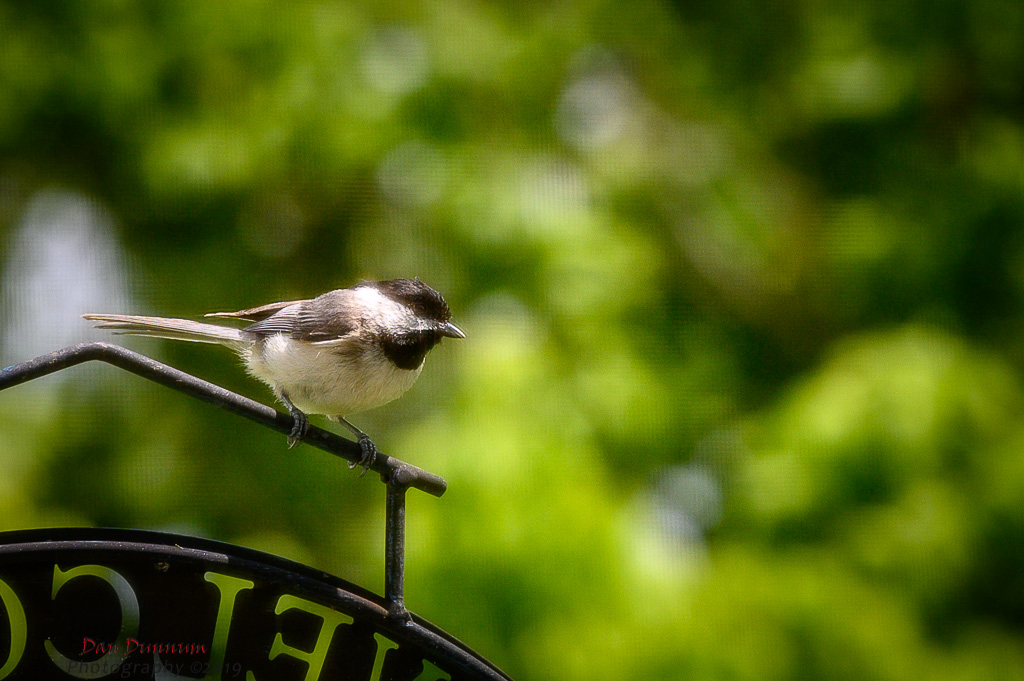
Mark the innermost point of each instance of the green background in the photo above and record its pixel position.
(742, 392)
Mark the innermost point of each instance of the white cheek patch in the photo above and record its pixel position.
(383, 311)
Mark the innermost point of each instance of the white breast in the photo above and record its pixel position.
(319, 380)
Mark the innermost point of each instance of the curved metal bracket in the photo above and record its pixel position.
(397, 475)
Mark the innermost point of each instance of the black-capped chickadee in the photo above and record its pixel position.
(338, 354)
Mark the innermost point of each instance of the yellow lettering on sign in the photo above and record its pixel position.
(19, 628)
(383, 646)
(228, 587)
(331, 620)
(129, 606)
(428, 671)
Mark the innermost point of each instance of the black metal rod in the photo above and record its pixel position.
(394, 550)
(391, 470)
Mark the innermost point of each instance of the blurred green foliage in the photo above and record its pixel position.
(741, 396)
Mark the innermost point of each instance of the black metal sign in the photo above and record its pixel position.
(91, 604)
(127, 604)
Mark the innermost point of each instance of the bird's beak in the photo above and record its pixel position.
(451, 331)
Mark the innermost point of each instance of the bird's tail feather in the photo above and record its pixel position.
(166, 327)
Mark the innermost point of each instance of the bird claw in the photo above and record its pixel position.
(300, 424)
(369, 454)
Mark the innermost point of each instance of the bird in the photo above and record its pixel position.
(338, 354)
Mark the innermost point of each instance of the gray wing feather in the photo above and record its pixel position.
(256, 314)
(282, 321)
(328, 319)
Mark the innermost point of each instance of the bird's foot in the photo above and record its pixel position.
(369, 453)
(300, 423)
(366, 446)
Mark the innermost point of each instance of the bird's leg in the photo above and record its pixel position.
(300, 422)
(369, 449)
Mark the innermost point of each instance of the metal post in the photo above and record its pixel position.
(394, 550)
